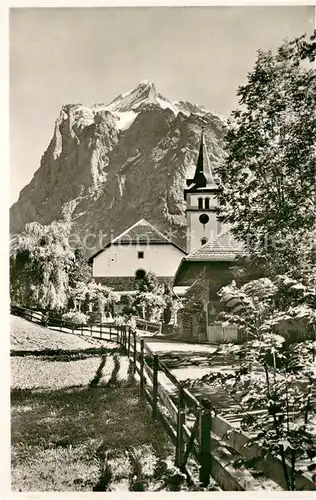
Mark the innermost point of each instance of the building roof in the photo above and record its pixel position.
(141, 233)
(223, 249)
(203, 177)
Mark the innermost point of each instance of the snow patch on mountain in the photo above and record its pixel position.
(125, 119)
(167, 104)
(121, 183)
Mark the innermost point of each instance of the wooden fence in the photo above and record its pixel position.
(148, 326)
(191, 422)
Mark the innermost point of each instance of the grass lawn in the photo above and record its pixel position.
(78, 423)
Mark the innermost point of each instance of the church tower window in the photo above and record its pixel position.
(200, 203)
(203, 241)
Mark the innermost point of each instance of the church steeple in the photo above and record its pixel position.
(200, 196)
(203, 177)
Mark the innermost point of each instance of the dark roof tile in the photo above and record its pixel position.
(224, 247)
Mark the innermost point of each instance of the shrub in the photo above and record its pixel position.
(75, 317)
(119, 320)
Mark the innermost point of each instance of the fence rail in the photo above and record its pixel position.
(191, 422)
(149, 326)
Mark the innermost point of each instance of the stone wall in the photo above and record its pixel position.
(126, 283)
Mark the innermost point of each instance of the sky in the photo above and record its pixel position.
(90, 55)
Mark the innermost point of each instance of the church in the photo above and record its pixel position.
(211, 252)
(205, 264)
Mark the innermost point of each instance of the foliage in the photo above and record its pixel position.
(127, 302)
(80, 271)
(275, 378)
(173, 304)
(149, 301)
(41, 260)
(75, 317)
(131, 322)
(149, 305)
(268, 185)
(149, 283)
(47, 273)
(95, 295)
(268, 194)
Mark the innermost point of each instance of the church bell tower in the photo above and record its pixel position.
(200, 196)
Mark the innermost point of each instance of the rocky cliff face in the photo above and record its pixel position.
(111, 165)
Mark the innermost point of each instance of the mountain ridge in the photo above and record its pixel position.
(110, 165)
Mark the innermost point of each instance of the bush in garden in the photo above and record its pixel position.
(75, 317)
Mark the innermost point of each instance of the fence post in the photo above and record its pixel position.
(90, 329)
(135, 352)
(129, 342)
(60, 325)
(120, 335)
(101, 330)
(81, 329)
(155, 387)
(141, 360)
(72, 328)
(180, 424)
(205, 443)
(110, 332)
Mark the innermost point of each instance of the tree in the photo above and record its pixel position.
(40, 263)
(47, 273)
(100, 297)
(149, 301)
(273, 384)
(148, 283)
(268, 188)
(149, 305)
(267, 195)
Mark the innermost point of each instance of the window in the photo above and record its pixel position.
(207, 203)
(200, 202)
(140, 255)
(203, 241)
(219, 227)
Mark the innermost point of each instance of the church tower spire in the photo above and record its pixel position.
(203, 176)
(200, 195)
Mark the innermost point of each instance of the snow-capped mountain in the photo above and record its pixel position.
(113, 164)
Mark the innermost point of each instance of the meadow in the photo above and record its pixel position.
(77, 421)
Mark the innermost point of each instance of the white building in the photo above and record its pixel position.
(139, 249)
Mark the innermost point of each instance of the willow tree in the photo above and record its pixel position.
(44, 266)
